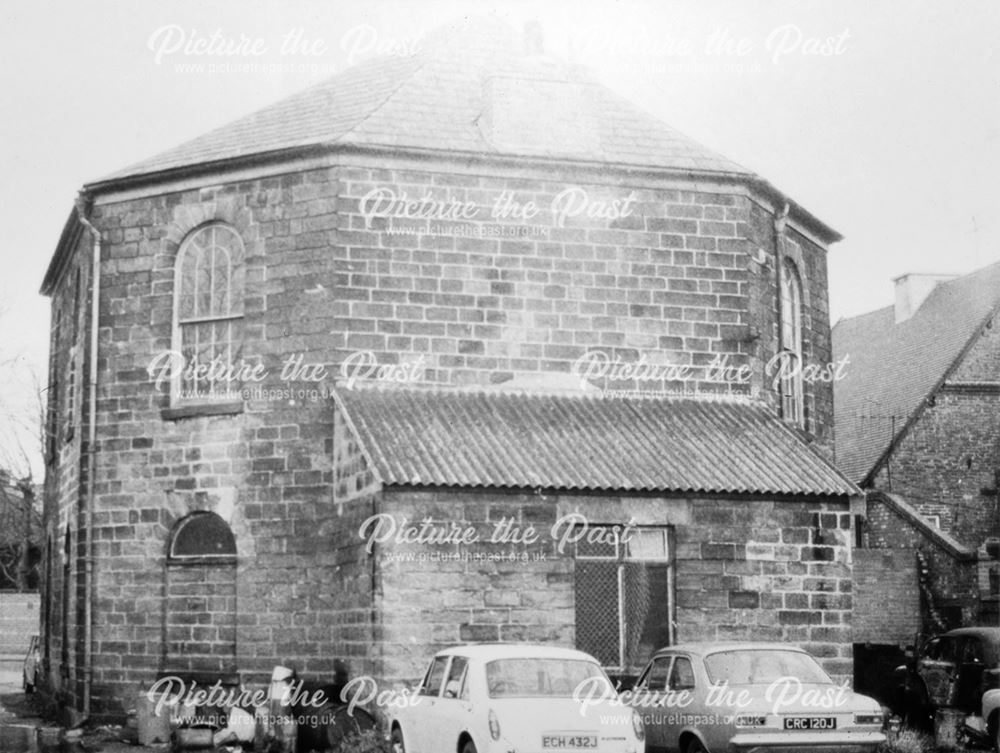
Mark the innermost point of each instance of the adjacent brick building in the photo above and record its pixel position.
(916, 423)
(575, 324)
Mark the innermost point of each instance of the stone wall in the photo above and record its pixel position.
(19, 620)
(476, 302)
(744, 569)
(67, 414)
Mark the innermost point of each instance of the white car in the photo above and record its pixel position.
(991, 713)
(488, 698)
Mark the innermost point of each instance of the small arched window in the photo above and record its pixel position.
(208, 313)
(792, 408)
(202, 536)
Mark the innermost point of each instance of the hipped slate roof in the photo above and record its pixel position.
(470, 89)
(470, 93)
(515, 440)
(895, 368)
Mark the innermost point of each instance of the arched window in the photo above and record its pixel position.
(208, 313)
(199, 626)
(201, 535)
(790, 344)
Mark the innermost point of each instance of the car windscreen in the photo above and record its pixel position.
(982, 649)
(991, 653)
(538, 677)
(762, 667)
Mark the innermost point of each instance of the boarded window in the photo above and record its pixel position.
(200, 579)
(624, 594)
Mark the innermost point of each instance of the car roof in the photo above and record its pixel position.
(515, 651)
(992, 633)
(703, 648)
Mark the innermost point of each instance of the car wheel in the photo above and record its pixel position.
(469, 747)
(694, 746)
(996, 735)
(396, 744)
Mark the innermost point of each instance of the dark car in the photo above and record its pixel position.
(952, 670)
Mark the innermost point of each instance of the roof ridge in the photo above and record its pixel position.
(846, 319)
(622, 99)
(955, 279)
(960, 277)
(406, 79)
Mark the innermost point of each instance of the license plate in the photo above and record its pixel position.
(568, 741)
(811, 722)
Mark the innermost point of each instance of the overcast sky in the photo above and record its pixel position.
(881, 119)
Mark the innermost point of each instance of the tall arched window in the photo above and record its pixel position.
(792, 409)
(208, 313)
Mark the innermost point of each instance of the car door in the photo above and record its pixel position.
(419, 735)
(937, 668)
(452, 712)
(647, 696)
(681, 685)
(969, 680)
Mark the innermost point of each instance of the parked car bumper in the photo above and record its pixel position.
(783, 742)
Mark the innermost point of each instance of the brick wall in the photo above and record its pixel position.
(744, 570)
(886, 596)
(952, 453)
(952, 580)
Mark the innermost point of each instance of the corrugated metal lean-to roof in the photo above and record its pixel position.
(504, 440)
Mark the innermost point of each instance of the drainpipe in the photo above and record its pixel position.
(88, 560)
(779, 229)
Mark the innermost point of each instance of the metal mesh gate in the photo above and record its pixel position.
(646, 603)
(597, 628)
(623, 600)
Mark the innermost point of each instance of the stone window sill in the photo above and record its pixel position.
(202, 560)
(177, 412)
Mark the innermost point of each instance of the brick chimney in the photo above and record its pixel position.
(912, 290)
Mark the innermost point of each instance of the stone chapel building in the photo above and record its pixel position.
(296, 360)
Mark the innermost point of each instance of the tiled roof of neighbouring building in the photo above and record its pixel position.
(895, 367)
(468, 90)
(515, 440)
